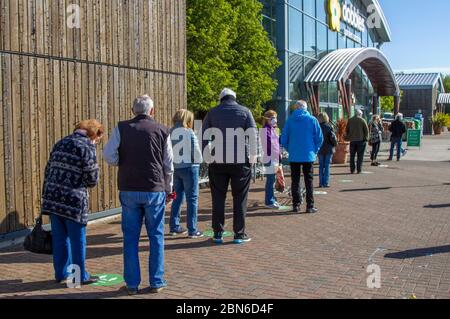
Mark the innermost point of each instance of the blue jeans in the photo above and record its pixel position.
(270, 193)
(396, 143)
(185, 183)
(69, 247)
(135, 207)
(324, 169)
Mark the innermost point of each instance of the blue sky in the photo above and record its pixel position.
(420, 34)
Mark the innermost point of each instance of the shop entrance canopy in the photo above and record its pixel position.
(340, 64)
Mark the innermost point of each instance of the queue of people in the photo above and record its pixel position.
(158, 166)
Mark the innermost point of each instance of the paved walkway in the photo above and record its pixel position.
(397, 217)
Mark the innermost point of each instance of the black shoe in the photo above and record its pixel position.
(241, 239)
(218, 238)
(296, 208)
(312, 210)
(132, 291)
(157, 290)
(91, 281)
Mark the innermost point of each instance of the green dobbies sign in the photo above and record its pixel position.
(414, 138)
(210, 233)
(108, 280)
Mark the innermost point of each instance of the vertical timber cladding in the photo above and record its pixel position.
(52, 76)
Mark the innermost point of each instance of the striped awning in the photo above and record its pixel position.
(339, 65)
(444, 98)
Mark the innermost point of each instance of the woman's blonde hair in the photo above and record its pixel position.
(184, 117)
(375, 118)
(323, 118)
(268, 116)
(93, 128)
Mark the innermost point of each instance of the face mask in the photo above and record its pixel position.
(274, 122)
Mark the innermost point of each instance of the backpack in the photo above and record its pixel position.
(333, 139)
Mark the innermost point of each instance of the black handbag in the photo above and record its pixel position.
(39, 241)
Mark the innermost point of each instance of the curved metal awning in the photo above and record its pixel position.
(444, 98)
(339, 65)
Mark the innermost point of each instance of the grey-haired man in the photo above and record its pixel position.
(142, 149)
(231, 163)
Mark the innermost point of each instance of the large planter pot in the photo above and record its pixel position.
(437, 130)
(341, 155)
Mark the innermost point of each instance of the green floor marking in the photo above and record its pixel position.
(210, 233)
(108, 280)
(367, 173)
(346, 181)
(320, 193)
(284, 208)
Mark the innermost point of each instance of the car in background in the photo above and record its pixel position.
(388, 117)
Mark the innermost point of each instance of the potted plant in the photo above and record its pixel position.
(342, 149)
(439, 121)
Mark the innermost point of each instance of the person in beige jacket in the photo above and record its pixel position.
(358, 135)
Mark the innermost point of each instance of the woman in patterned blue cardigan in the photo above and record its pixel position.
(71, 170)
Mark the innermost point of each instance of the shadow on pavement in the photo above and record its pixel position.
(420, 252)
(107, 239)
(69, 295)
(388, 188)
(17, 286)
(437, 206)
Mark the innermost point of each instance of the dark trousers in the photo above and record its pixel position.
(396, 142)
(308, 173)
(375, 151)
(220, 176)
(357, 149)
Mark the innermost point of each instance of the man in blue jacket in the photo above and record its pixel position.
(302, 138)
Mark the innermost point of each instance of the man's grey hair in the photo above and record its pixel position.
(399, 116)
(359, 113)
(142, 105)
(301, 104)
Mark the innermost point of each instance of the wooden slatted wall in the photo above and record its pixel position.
(52, 76)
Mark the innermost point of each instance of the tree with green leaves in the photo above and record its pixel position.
(387, 104)
(228, 47)
(447, 83)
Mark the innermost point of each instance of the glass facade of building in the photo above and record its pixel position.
(300, 31)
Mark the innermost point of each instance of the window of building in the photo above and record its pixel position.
(332, 41)
(309, 7)
(323, 92)
(310, 36)
(332, 92)
(295, 31)
(296, 3)
(322, 40)
(321, 8)
(341, 43)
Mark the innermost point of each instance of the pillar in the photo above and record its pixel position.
(396, 104)
(348, 91)
(316, 91)
(283, 98)
(375, 104)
